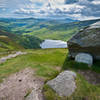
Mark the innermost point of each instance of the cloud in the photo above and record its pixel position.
(76, 9)
(96, 2)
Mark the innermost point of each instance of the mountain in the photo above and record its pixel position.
(44, 28)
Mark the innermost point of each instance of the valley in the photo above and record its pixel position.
(43, 28)
(44, 43)
(29, 33)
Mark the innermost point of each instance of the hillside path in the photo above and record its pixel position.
(4, 59)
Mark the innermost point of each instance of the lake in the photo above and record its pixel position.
(53, 44)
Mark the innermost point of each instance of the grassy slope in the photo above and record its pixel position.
(46, 63)
(6, 44)
(29, 42)
(85, 90)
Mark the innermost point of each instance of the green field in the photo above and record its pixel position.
(48, 63)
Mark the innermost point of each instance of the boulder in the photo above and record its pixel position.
(64, 83)
(86, 41)
(84, 58)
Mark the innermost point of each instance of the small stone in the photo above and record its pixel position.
(20, 80)
(84, 58)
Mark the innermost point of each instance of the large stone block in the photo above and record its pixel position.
(86, 41)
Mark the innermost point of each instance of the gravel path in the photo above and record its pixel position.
(3, 59)
(19, 85)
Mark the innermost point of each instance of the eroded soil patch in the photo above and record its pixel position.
(90, 76)
(18, 85)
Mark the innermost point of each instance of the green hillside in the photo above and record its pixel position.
(6, 44)
(12, 41)
(44, 29)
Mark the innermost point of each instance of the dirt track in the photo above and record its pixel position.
(4, 59)
(19, 85)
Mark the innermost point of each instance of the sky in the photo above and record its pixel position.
(74, 9)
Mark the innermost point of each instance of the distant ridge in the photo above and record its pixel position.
(30, 32)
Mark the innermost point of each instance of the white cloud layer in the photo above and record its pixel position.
(76, 9)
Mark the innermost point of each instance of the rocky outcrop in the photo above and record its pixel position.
(64, 83)
(86, 41)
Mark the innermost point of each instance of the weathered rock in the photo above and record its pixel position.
(64, 83)
(87, 41)
(84, 58)
(36, 94)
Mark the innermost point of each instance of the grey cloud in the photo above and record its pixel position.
(78, 9)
